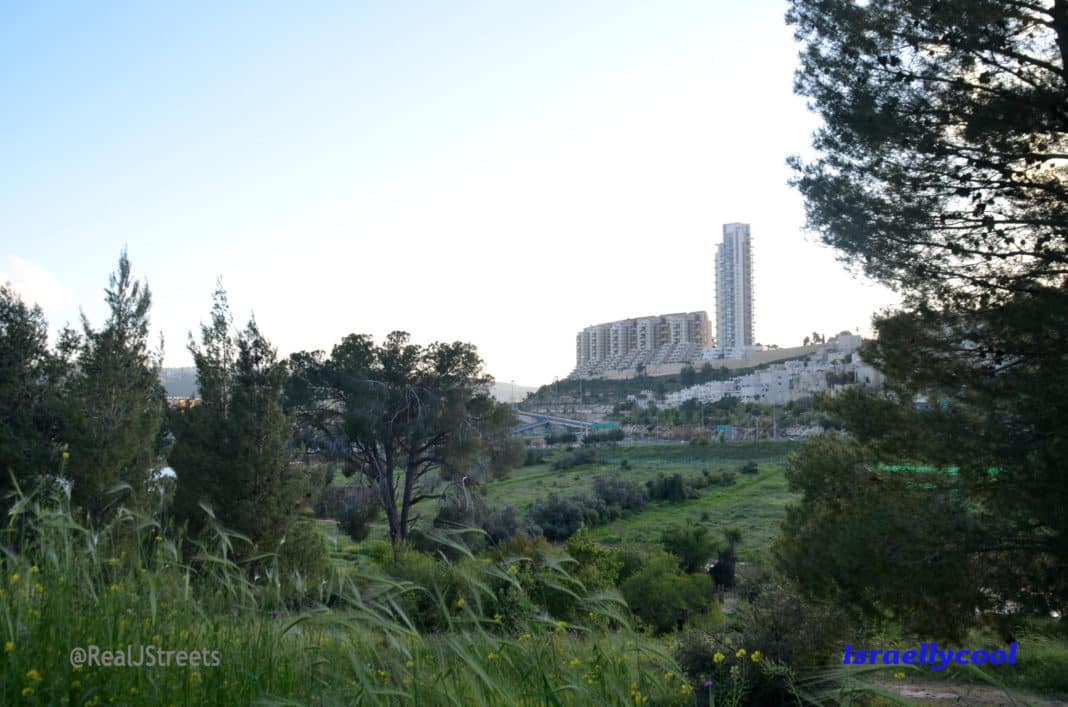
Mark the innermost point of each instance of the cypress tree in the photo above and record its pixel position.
(115, 403)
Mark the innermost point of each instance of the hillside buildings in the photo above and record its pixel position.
(734, 288)
(827, 367)
(665, 344)
(645, 341)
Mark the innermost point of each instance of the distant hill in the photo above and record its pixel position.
(182, 383)
(179, 382)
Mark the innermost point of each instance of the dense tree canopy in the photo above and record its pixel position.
(941, 171)
(404, 417)
(941, 166)
(30, 403)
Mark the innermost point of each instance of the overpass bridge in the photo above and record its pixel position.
(532, 421)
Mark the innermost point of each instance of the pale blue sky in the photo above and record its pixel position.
(502, 173)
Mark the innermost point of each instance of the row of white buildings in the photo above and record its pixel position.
(790, 380)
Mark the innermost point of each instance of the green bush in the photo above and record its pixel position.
(355, 520)
(628, 495)
(535, 455)
(558, 517)
(693, 545)
(664, 598)
(576, 458)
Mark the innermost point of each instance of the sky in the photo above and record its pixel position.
(501, 173)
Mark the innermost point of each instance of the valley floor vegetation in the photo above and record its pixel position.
(361, 528)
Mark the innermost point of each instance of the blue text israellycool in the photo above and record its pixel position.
(929, 654)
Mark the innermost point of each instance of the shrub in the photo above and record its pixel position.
(606, 436)
(576, 458)
(614, 491)
(692, 545)
(598, 566)
(562, 438)
(667, 488)
(749, 468)
(355, 520)
(557, 518)
(800, 632)
(662, 597)
(535, 455)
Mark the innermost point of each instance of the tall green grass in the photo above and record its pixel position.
(347, 640)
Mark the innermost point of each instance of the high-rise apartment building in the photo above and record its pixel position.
(627, 343)
(734, 288)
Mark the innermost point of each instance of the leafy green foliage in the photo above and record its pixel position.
(558, 517)
(404, 417)
(355, 517)
(667, 488)
(662, 596)
(619, 492)
(115, 404)
(603, 437)
(693, 545)
(31, 376)
(940, 173)
(229, 452)
(882, 542)
(577, 458)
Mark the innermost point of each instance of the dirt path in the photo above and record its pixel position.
(937, 694)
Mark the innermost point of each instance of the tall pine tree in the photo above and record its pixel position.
(30, 396)
(115, 403)
(940, 170)
(229, 452)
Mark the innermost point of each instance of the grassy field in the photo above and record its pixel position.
(754, 503)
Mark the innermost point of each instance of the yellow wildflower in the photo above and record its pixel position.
(27, 692)
(561, 626)
(15, 578)
(33, 676)
(35, 569)
(513, 570)
(740, 653)
(116, 588)
(9, 646)
(66, 455)
(524, 637)
(183, 635)
(492, 656)
(159, 538)
(755, 657)
(460, 603)
(685, 689)
(407, 680)
(497, 618)
(574, 662)
(734, 670)
(718, 658)
(383, 674)
(112, 561)
(899, 675)
(76, 684)
(195, 679)
(409, 665)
